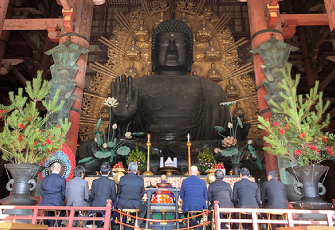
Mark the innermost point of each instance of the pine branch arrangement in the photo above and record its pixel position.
(24, 138)
(296, 133)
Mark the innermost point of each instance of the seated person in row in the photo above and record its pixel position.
(53, 191)
(76, 192)
(274, 195)
(246, 194)
(193, 192)
(103, 189)
(164, 180)
(220, 191)
(130, 191)
(163, 196)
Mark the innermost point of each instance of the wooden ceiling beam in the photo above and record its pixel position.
(332, 113)
(327, 80)
(32, 24)
(4, 100)
(305, 19)
(19, 76)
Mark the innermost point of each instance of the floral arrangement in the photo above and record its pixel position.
(25, 138)
(206, 160)
(296, 133)
(229, 143)
(108, 144)
(138, 157)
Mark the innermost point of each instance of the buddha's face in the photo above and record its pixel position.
(172, 53)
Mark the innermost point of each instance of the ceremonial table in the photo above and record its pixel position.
(176, 180)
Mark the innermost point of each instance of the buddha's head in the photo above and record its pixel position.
(172, 48)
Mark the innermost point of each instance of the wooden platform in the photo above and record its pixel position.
(307, 228)
(17, 226)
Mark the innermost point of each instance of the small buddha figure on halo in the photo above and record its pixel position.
(184, 19)
(212, 53)
(133, 52)
(131, 70)
(162, 18)
(141, 32)
(238, 111)
(214, 73)
(203, 33)
(232, 90)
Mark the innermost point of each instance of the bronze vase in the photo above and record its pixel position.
(236, 168)
(309, 187)
(23, 183)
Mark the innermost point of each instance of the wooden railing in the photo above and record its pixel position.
(38, 216)
(289, 221)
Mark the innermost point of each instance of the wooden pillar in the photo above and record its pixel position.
(257, 17)
(83, 21)
(3, 11)
(330, 8)
(311, 73)
(4, 34)
(44, 65)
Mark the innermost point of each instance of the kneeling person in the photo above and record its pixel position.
(130, 191)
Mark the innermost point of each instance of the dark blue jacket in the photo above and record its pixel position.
(130, 191)
(53, 190)
(193, 192)
(274, 192)
(102, 189)
(246, 194)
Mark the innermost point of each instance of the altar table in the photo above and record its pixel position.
(151, 181)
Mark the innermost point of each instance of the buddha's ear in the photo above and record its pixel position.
(153, 66)
(189, 67)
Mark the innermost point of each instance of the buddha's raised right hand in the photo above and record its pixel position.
(127, 98)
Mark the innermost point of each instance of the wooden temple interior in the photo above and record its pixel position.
(305, 24)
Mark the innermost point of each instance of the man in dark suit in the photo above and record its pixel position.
(220, 191)
(246, 194)
(53, 191)
(274, 192)
(193, 192)
(103, 189)
(130, 191)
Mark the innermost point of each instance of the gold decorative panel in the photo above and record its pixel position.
(213, 43)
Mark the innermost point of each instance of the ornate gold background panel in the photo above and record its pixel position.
(129, 51)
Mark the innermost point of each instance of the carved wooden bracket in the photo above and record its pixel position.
(272, 15)
(69, 16)
(289, 28)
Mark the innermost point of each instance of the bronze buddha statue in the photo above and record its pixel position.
(170, 103)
